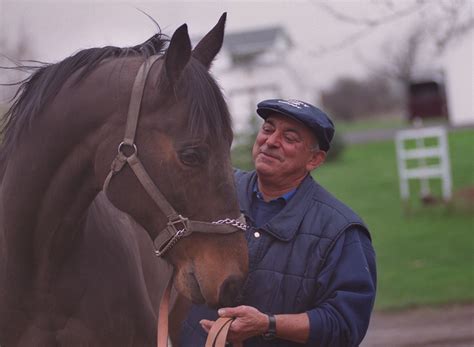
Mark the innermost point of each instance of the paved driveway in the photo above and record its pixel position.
(445, 326)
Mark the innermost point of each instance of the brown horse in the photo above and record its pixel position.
(74, 270)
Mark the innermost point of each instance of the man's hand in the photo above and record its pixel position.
(248, 322)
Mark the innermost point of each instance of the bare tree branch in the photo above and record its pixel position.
(444, 19)
(401, 61)
(344, 43)
(372, 22)
(458, 20)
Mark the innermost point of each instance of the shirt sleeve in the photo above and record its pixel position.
(346, 295)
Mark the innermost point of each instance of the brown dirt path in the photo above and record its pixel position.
(440, 326)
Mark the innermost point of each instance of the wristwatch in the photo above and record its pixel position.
(270, 334)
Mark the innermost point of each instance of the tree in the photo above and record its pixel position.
(424, 30)
(342, 100)
(444, 20)
(350, 98)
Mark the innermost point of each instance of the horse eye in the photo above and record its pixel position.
(192, 157)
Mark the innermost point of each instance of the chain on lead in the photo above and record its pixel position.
(233, 222)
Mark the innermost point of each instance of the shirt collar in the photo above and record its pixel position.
(284, 225)
(286, 197)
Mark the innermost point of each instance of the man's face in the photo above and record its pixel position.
(284, 148)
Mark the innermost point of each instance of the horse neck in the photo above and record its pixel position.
(47, 186)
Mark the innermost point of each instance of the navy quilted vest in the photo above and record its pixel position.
(288, 255)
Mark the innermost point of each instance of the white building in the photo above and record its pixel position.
(253, 66)
(459, 76)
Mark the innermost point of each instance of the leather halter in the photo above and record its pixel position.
(177, 226)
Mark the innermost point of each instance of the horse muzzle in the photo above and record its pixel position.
(230, 291)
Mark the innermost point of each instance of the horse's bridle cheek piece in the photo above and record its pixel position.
(177, 226)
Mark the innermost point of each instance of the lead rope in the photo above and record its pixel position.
(217, 335)
(162, 328)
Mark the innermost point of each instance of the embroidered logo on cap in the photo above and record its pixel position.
(294, 103)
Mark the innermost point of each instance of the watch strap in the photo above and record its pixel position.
(270, 334)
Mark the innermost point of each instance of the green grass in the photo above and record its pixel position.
(426, 256)
(370, 124)
(382, 123)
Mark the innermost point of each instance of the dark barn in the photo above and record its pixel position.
(427, 99)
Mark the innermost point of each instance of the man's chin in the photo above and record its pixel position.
(264, 168)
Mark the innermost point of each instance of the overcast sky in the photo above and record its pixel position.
(55, 29)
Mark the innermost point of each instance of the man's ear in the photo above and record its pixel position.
(317, 159)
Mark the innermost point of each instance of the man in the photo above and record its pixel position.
(312, 275)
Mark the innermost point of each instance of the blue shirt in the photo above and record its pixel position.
(263, 211)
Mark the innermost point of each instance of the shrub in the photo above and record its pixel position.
(337, 148)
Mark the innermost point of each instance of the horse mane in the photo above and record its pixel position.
(46, 80)
(208, 114)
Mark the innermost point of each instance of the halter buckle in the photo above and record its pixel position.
(176, 229)
(168, 244)
(180, 224)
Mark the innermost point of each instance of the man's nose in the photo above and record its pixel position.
(273, 139)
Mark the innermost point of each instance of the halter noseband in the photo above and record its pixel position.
(177, 226)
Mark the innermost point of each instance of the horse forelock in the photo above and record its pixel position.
(209, 116)
(46, 80)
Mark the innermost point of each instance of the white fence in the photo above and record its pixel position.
(429, 158)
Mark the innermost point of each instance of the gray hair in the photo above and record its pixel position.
(315, 147)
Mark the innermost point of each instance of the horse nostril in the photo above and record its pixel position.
(229, 291)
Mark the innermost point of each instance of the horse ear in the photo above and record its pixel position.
(211, 44)
(177, 56)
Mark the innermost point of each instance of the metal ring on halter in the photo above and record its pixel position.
(119, 149)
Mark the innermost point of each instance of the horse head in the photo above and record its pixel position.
(183, 138)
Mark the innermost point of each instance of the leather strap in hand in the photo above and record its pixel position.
(217, 335)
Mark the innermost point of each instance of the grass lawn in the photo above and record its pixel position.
(382, 123)
(371, 124)
(427, 256)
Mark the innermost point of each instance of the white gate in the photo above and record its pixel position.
(428, 158)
